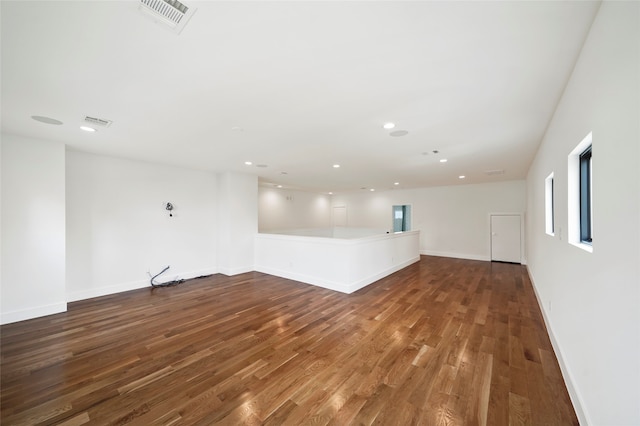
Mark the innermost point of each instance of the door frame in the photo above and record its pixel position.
(523, 257)
(346, 215)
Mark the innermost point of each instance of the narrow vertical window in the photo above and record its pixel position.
(586, 209)
(549, 205)
(580, 195)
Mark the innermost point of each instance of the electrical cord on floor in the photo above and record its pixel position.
(170, 283)
(167, 284)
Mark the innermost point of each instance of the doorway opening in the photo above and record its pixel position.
(401, 215)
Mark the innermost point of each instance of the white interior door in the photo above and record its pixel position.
(505, 238)
(340, 216)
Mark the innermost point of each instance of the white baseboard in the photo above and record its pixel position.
(35, 312)
(347, 288)
(455, 255)
(90, 293)
(236, 271)
(576, 398)
(132, 285)
(366, 281)
(462, 256)
(307, 279)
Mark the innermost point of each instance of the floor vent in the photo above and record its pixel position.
(100, 122)
(170, 13)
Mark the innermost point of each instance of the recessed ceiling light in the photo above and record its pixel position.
(248, 163)
(396, 183)
(279, 186)
(372, 190)
(461, 177)
(331, 193)
(443, 160)
(397, 133)
(87, 129)
(46, 120)
(389, 125)
(336, 166)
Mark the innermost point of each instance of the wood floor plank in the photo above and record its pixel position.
(442, 342)
(519, 410)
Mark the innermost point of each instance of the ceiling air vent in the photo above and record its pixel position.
(100, 122)
(170, 13)
(494, 172)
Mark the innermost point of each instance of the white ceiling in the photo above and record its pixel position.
(309, 83)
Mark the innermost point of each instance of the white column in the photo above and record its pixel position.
(237, 222)
(33, 228)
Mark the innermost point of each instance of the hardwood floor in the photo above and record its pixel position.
(442, 342)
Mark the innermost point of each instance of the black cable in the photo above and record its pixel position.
(171, 283)
(167, 284)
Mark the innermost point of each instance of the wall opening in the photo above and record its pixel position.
(549, 207)
(401, 217)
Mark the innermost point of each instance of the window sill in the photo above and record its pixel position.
(584, 246)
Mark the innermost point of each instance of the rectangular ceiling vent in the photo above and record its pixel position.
(494, 172)
(170, 13)
(101, 122)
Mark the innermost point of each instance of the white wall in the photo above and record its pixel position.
(118, 228)
(453, 220)
(591, 301)
(287, 209)
(237, 222)
(33, 228)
